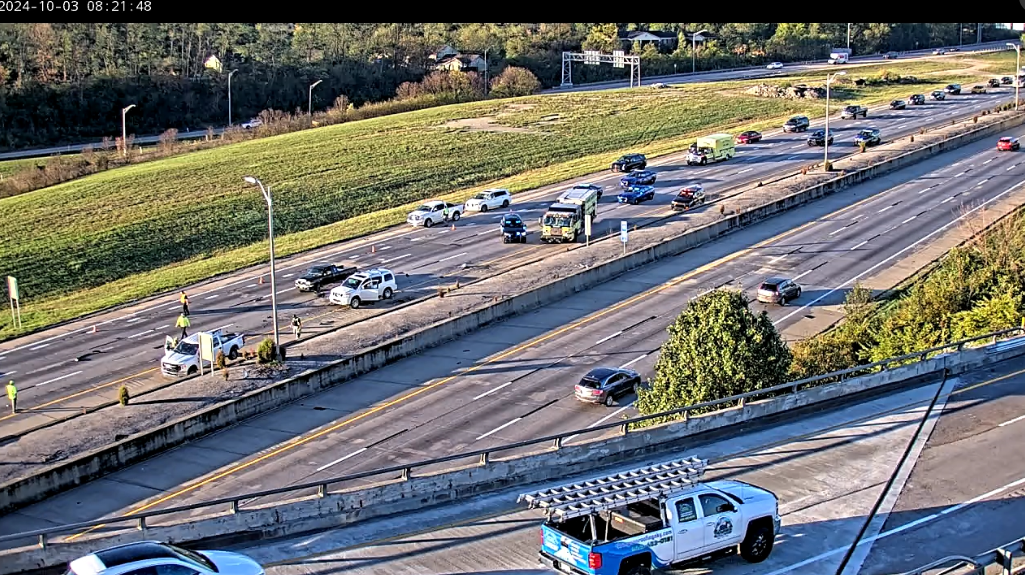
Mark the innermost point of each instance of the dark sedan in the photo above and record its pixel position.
(993, 83)
(869, 137)
(638, 177)
(818, 138)
(317, 276)
(916, 99)
(513, 229)
(749, 137)
(636, 195)
(898, 105)
(605, 384)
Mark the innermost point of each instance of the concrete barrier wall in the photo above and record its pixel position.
(94, 464)
(545, 464)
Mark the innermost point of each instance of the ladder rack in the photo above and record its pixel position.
(614, 491)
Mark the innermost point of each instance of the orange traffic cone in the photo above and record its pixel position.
(93, 330)
(261, 279)
(453, 227)
(373, 249)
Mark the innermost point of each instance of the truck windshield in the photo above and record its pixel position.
(352, 282)
(187, 348)
(557, 221)
(424, 208)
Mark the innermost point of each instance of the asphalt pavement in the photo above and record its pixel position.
(959, 492)
(77, 365)
(513, 380)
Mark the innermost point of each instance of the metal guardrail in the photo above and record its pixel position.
(405, 471)
(1002, 556)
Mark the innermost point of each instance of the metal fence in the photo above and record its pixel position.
(1008, 559)
(483, 456)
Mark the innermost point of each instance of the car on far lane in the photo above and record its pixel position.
(659, 86)
(1007, 80)
(318, 275)
(605, 384)
(778, 290)
(938, 95)
(156, 558)
(818, 138)
(797, 124)
(636, 194)
(891, 55)
(690, 196)
(939, 51)
(953, 89)
(993, 83)
(868, 136)
(255, 122)
(916, 99)
(978, 89)
(749, 137)
(898, 105)
(1007, 143)
(490, 199)
(630, 162)
(774, 66)
(513, 229)
(638, 177)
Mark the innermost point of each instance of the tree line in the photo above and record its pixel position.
(67, 82)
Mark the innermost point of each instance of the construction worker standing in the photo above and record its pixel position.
(444, 212)
(183, 322)
(12, 395)
(185, 303)
(297, 326)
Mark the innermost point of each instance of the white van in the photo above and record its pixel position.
(365, 286)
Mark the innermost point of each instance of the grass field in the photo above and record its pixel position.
(9, 167)
(120, 235)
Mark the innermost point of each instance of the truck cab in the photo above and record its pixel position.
(626, 530)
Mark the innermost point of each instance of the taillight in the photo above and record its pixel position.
(594, 560)
(541, 532)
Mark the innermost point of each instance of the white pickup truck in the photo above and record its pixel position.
(652, 518)
(433, 212)
(183, 359)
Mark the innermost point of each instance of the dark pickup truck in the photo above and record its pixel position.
(318, 275)
(630, 162)
(852, 112)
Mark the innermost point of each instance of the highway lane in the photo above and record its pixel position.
(513, 381)
(63, 369)
(827, 470)
(762, 72)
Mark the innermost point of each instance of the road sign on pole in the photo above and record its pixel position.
(206, 350)
(14, 299)
(623, 234)
(587, 228)
(618, 60)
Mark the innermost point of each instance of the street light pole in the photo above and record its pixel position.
(694, 49)
(825, 140)
(1017, 72)
(310, 105)
(485, 71)
(229, 95)
(848, 37)
(270, 233)
(124, 132)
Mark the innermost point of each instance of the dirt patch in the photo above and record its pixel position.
(483, 124)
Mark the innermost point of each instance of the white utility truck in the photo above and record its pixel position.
(183, 358)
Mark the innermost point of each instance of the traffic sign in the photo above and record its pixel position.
(622, 231)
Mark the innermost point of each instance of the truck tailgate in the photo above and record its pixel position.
(565, 548)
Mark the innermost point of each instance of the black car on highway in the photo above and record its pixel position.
(993, 83)
(818, 138)
(797, 124)
(605, 384)
(898, 105)
(869, 137)
(318, 275)
(514, 230)
(1006, 80)
(953, 89)
(939, 95)
(630, 162)
(916, 99)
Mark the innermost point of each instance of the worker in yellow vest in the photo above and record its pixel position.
(185, 303)
(183, 322)
(12, 395)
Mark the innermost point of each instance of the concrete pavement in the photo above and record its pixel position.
(67, 369)
(499, 389)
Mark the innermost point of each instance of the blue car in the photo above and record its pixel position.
(638, 177)
(636, 194)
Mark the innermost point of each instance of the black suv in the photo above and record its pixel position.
(630, 162)
(953, 89)
(993, 83)
(797, 124)
(513, 229)
(818, 138)
(916, 99)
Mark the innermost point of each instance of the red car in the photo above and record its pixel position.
(749, 137)
(1008, 143)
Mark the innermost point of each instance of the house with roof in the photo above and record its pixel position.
(664, 41)
(461, 63)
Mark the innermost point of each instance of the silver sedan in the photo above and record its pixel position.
(155, 558)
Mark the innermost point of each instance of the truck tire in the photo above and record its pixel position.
(505, 204)
(192, 371)
(757, 545)
(639, 570)
(609, 400)
(483, 208)
(233, 354)
(455, 216)
(428, 223)
(354, 303)
(387, 293)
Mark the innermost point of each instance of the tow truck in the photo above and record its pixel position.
(652, 517)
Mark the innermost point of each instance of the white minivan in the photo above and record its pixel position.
(365, 286)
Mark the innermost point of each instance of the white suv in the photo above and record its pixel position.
(489, 200)
(366, 286)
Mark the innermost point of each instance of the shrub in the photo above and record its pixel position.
(220, 362)
(122, 395)
(266, 352)
(514, 81)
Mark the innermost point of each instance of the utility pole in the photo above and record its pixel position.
(229, 95)
(309, 107)
(485, 71)
(848, 37)
(124, 132)
(825, 140)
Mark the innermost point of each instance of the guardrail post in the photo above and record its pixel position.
(686, 415)
(234, 507)
(405, 474)
(624, 429)
(484, 458)
(557, 444)
(42, 540)
(322, 490)
(142, 524)
(1004, 557)
(743, 402)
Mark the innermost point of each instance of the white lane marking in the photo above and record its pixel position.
(956, 163)
(1009, 422)
(980, 184)
(489, 392)
(164, 326)
(251, 285)
(40, 346)
(58, 378)
(140, 333)
(444, 231)
(792, 157)
(987, 161)
(12, 372)
(884, 209)
(745, 170)
(607, 338)
(902, 528)
(1011, 168)
(797, 146)
(632, 361)
(777, 258)
(497, 429)
(959, 174)
(939, 230)
(134, 319)
(212, 296)
(279, 292)
(948, 199)
(341, 459)
(927, 189)
(382, 248)
(395, 258)
(3, 357)
(859, 245)
(900, 126)
(357, 256)
(909, 219)
(284, 276)
(173, 307)
(801, 275)
(451, 257)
